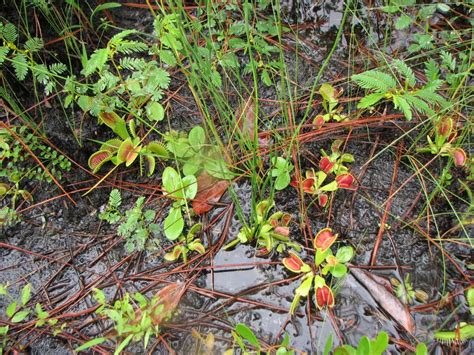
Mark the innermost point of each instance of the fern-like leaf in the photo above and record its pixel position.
(4, 50)
(129, 47)
(402, 104)
(419, 105)
(20, 65)
(115, 199)
(430, 96)
(448, 61)
(41, 73)
(375, 80)
(57, 68)
(96, 61)
(431, 70)
(9, 32)
(405, 71)
(121, 35)
(132, 63)
(370, 100)
(33, 44)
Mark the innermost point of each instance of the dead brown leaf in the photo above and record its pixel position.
(210, 191)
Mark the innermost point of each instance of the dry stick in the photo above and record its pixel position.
(373, 257)
(33, 155)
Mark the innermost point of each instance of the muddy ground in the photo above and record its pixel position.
(63, 250)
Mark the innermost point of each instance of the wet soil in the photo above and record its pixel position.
(64, 250)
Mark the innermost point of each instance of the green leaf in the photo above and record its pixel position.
(344, 254)
(380, 343)
(216, 78)
(103, 7)
(9, 32)
(10, 311)
(168, 57)
(155, 111)
(370, 100)
(405, 71)
(189, 183)
(96, 61)
(401, 103)
(174, 224)
(230, 60)
(3, 290)
(266, 78)
(375, 80)
(328, 346)
(171, 181)
(403, 22)
(90, 344)
(282, 181)
(25, 294)
(85, 102)
(421, 349)
(18, 317)
(197, 137)
(123, 344)
(3, 53)
(364, 346)
(339, 270)
(247, 334)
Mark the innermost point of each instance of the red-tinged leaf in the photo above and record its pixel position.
(293, 263)
(197, 246)
(326, 165)
(318, 121)
(390, 303)
(169, 297)
(459, 157)
(97, 159)
(324, 297)
(285, 219)
(345, 181)
(262, 252)
(174, 255)
(210, 190)
(294, 182)
(109, 118)
(308, 185)
(151, 164)
(128, 152)
(284, 231)
(324, 239)
(445, 126)
(323, 200)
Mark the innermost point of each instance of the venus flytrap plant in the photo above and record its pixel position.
(442, 143)
(324, 263)
(269, 232)
(187, 244)
(127, 147)
(334, 162)
(330, 104)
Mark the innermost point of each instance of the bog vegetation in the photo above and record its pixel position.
(149, 132)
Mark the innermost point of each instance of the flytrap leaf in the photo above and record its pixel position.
(115, 122)
(128, 152)
(174, 224)
(98, 159)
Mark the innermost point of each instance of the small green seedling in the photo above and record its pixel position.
(137, 227)
(281, 171)
(112, 214)
(188, 243)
